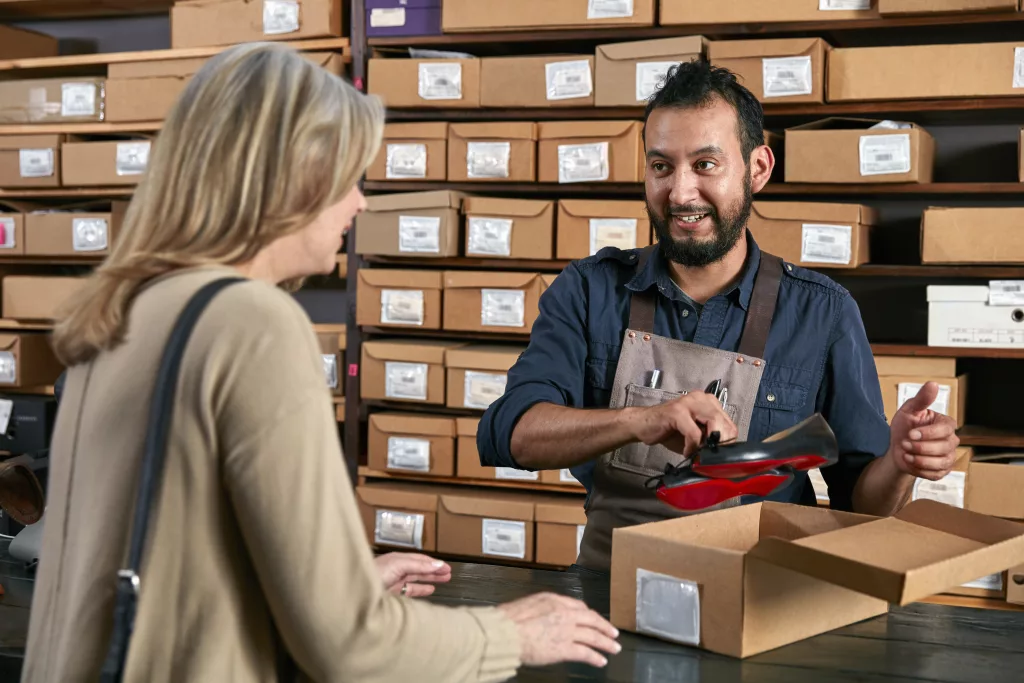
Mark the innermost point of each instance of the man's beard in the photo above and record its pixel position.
(691, 253)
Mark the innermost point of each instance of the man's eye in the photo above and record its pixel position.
(659, 166)
(704, 165)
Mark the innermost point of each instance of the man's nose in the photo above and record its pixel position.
(684, 188)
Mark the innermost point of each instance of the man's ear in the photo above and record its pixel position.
(762, 163)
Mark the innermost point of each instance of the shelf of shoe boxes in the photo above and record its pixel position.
(75, 136)
(495, 174)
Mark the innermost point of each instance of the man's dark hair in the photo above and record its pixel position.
(697, 84)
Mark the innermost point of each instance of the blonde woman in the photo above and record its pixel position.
(255, 547)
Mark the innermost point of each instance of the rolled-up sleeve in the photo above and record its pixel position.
(851, 400)
(549, 371)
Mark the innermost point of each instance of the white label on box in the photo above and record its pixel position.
(399, 528)
(35, 163)
(959, 336)
(393, 17)
(818, 484)
(440, 81)
(8, 368)
(650, 76)
(948, 490)
(569, 80)
(419, 234)
(330, 363)
(612, 232)
(908, 390)
(1018, 67)
(883, 154)
(503, 538)
(7, 230)
(583, 163)
(481, 389)
(513, 473)
(406, 161)
(787, 76)
(489, 237)
(78, 99)
(844, 4)
(580, 528)
(565, 476)
(405, 381)
(502, 308)
(132, 157)
(826, 244)
(6, 408)
(280, 16)
(89, 234)
(1006, 293)
(992, 582)
(401, 306)
(488, 159)
(408, 454)
(609, 9)
(667, 607)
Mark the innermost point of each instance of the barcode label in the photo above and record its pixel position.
(609, 9)
(440, 81)
(583, 163)
(78, 99)
(408, 454)
(405, 381)
(503, 538)
(948, 490)
(884, 154)
(330, 363)
(35, 163)
(1005, 293)
(280, 16)
(406, 161)
(401, 307)
(503, 308)
(132, 158)
(481, 389)
(908, 390)
(650, 77)
(89, 234)
(844, 4)
(569, 80)
(387, 17)
(399, 528)
(514, 474)
(612, 232)
(827, 244)
(488, 159)
(489, 237)
(419, 234)
(787, 76)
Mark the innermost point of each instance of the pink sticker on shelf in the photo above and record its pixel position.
(353, 370)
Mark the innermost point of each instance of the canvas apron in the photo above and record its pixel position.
(619, 495)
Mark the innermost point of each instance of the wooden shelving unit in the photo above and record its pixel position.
(65, 9)
(460, 481)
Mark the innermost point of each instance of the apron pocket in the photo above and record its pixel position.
(639, 457)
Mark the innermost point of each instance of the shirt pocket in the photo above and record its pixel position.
(782, 404)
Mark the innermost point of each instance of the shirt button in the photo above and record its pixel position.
(686, 313)
(771, 398)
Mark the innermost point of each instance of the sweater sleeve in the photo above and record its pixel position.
(295, 504)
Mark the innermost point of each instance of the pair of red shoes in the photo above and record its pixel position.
(720, 472)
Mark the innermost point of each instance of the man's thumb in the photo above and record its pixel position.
(924, 398)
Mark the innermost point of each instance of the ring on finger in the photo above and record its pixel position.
(405, 589)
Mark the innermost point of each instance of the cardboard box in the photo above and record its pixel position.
(420, 224)
(1020, 154)
(404, 370)
(814, 234)
(412, 151)
(972, 235)
(490, 302)
(477, 374)
(399, 298)
(52, 100)
(544, 81)
(993, 488)
(560, 525)
(915, 365)
(21, 43)
(904, 7)
(482, 152)
(85, 230)
(31, 297)
(757, 11)
(590, 152)
(952, 400)
(403, 18)
(962, 316)
(777, 70)
(331, 346)
(509, 228)
(922, 72)
(952, 488)
(585, 226)
(846, 150)
(30, 160)
(105, 163)
(486, 524)
(752, 578)
(12, 229)
(1015, 586)
(499, 15)
(27, 360)
(425, 83)
(206, 23)
(402, 516)
(411, 444)
(467, 462)
(628, 74)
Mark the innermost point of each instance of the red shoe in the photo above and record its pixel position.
(684, 490)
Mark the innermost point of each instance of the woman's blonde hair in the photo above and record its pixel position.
(258, 145)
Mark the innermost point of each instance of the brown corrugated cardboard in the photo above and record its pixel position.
(477, 374)
(903, 7)
(467, 457)
(972, 235)
(777, 70)
(548, 280)
(412, 151)
(21, 43)
(490, 301)
(12, 229)
(1020, 154)
(922, 71)
(770, 574)
(486, 524)
(482, 152)
(426, 83)
(590, 151)
(545, 81)
(399, 298)
(420, 224)
(86, 230)
(404, 370)
(585, 226)
(509, 228)
(1015, 586)
(559, 530)
(994, 488)
(915, 365)
(203, 23)
(407, 515)
(333, 360)
(629, 73)
(952, 399)
(844, 150)
(30, 297)
(500, 15)
(105, 163)
(814, 234)
(30, 160)
(27, 360)
(759, 11)
(52, 100)
(412, 444)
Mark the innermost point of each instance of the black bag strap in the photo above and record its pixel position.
(158, 427)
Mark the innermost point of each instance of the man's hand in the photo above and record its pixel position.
(922, 442)
(682, 425)
(413, 572)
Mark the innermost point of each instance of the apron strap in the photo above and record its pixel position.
(762, 307)
(642, 304)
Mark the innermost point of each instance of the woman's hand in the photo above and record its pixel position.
(411, 574)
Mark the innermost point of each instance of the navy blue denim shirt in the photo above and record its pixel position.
(819, 358)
